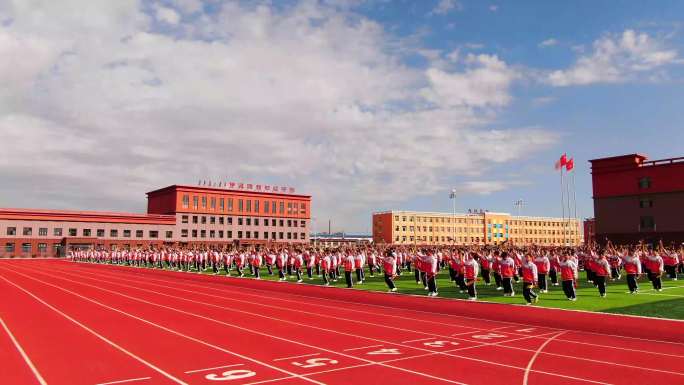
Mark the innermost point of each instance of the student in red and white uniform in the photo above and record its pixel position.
(496, 270)
(507, 273)
(530, 274)
(654, 264)
(389, 266)
(372, 262)
(310, 260)
(470, 271)
(359, 263)
(554, 269)
(670, 262)
(348, 269)
(334, 267)
(543, 266)
(601, 274)
(432, 268)
(257, 260)
(326, 268)
(486, 266)
(633, 269)
(240, 259)
(568, 270)
(281, 263)
(298, 262)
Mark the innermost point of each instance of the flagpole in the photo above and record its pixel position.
(562, 200)
(574, 199)
(567, 189)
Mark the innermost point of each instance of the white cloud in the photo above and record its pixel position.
(446, 6)
(314, 96)
(493, 8)
(617, 59)
(485, 83)
(167, 15)
(548, 43)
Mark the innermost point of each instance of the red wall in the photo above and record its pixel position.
(612, 178)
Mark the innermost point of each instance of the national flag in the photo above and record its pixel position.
(570, 164)
(560, 163)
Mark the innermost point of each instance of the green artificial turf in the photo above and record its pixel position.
(666, 304)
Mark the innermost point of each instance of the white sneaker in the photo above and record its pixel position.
(512, 294)
(472, 299)
(299, 281)
(425, 288)
(499, 288)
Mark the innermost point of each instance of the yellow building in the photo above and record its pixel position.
(482, 228)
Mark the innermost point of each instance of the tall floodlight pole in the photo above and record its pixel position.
(452, 196)
(519, 205)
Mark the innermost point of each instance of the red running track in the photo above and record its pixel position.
(68, 323)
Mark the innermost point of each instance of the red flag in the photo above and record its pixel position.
(563, 160)
(570, 164)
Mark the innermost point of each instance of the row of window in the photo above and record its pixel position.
(479, 221)
(474, 240)
(213, 234)
(479, 230)
(27, 248)
(72, 232)
(212, 220)
(243, 205)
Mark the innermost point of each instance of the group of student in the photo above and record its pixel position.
(535, 268)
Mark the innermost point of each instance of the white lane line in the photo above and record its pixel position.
(310, 327)
(124, 381)
(424, 339)
(93, 332)
(534, 357)
(28, 361)
(217, 367)
(163, 328)
(293, 357)
(124, 273)
(363, 347)
(234, 326)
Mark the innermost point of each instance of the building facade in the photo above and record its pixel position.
(177, 216)
(636, 199)
(589, 231)
(485, 228)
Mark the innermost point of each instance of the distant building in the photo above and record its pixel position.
(481, 228)
(177, 215)
(636, 199)
(340, 240)
(589, 231)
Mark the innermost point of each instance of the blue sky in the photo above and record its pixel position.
(366, 105)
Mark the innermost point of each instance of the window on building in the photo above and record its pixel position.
(229, 220)
(42, 232)
(280, 235)
(195, 219)
(87, 232)
(249, 221)
(212, 233)
(282, 207)
(212, 220)
(195, 202)
(127, 233)
(256, 221)
(281, 223)
(221, 221)
(11, 231)
(241, 205)
(248, 234)
(249, 205)
(100, 232)
(27, 231)
(56, 247)
(289, 207)
(273, 235)
(169, 234)
(273, 223)
(186, 201)
(645, 203)
(229, 234)
(57, 231)
(289, 235)
(646, 223)
(212, 203)
(222, 204)
(644, 182)
(154, 234)
(302, 236)
(294, 235)
(289, 223)
(265, 233)
(194, 233)
(256, 206)
(42, 247)
(184, 233)
(138, 233)
(25, 247)
(273, 207)
(203, 233)
(220, 234)
(9, 247)
(230, 204)
(266, 207)
(204, 202)
(203, 220)
(239, 221)
(184, 219)
(302, 224)
(239, 234)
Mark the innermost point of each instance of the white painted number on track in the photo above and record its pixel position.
(488, 336)
(383, 352)
(528, 330)
(230, 375)
(313, 362)
(439, 344)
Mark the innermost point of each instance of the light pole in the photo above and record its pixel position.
(452, 196)
(519, 204)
